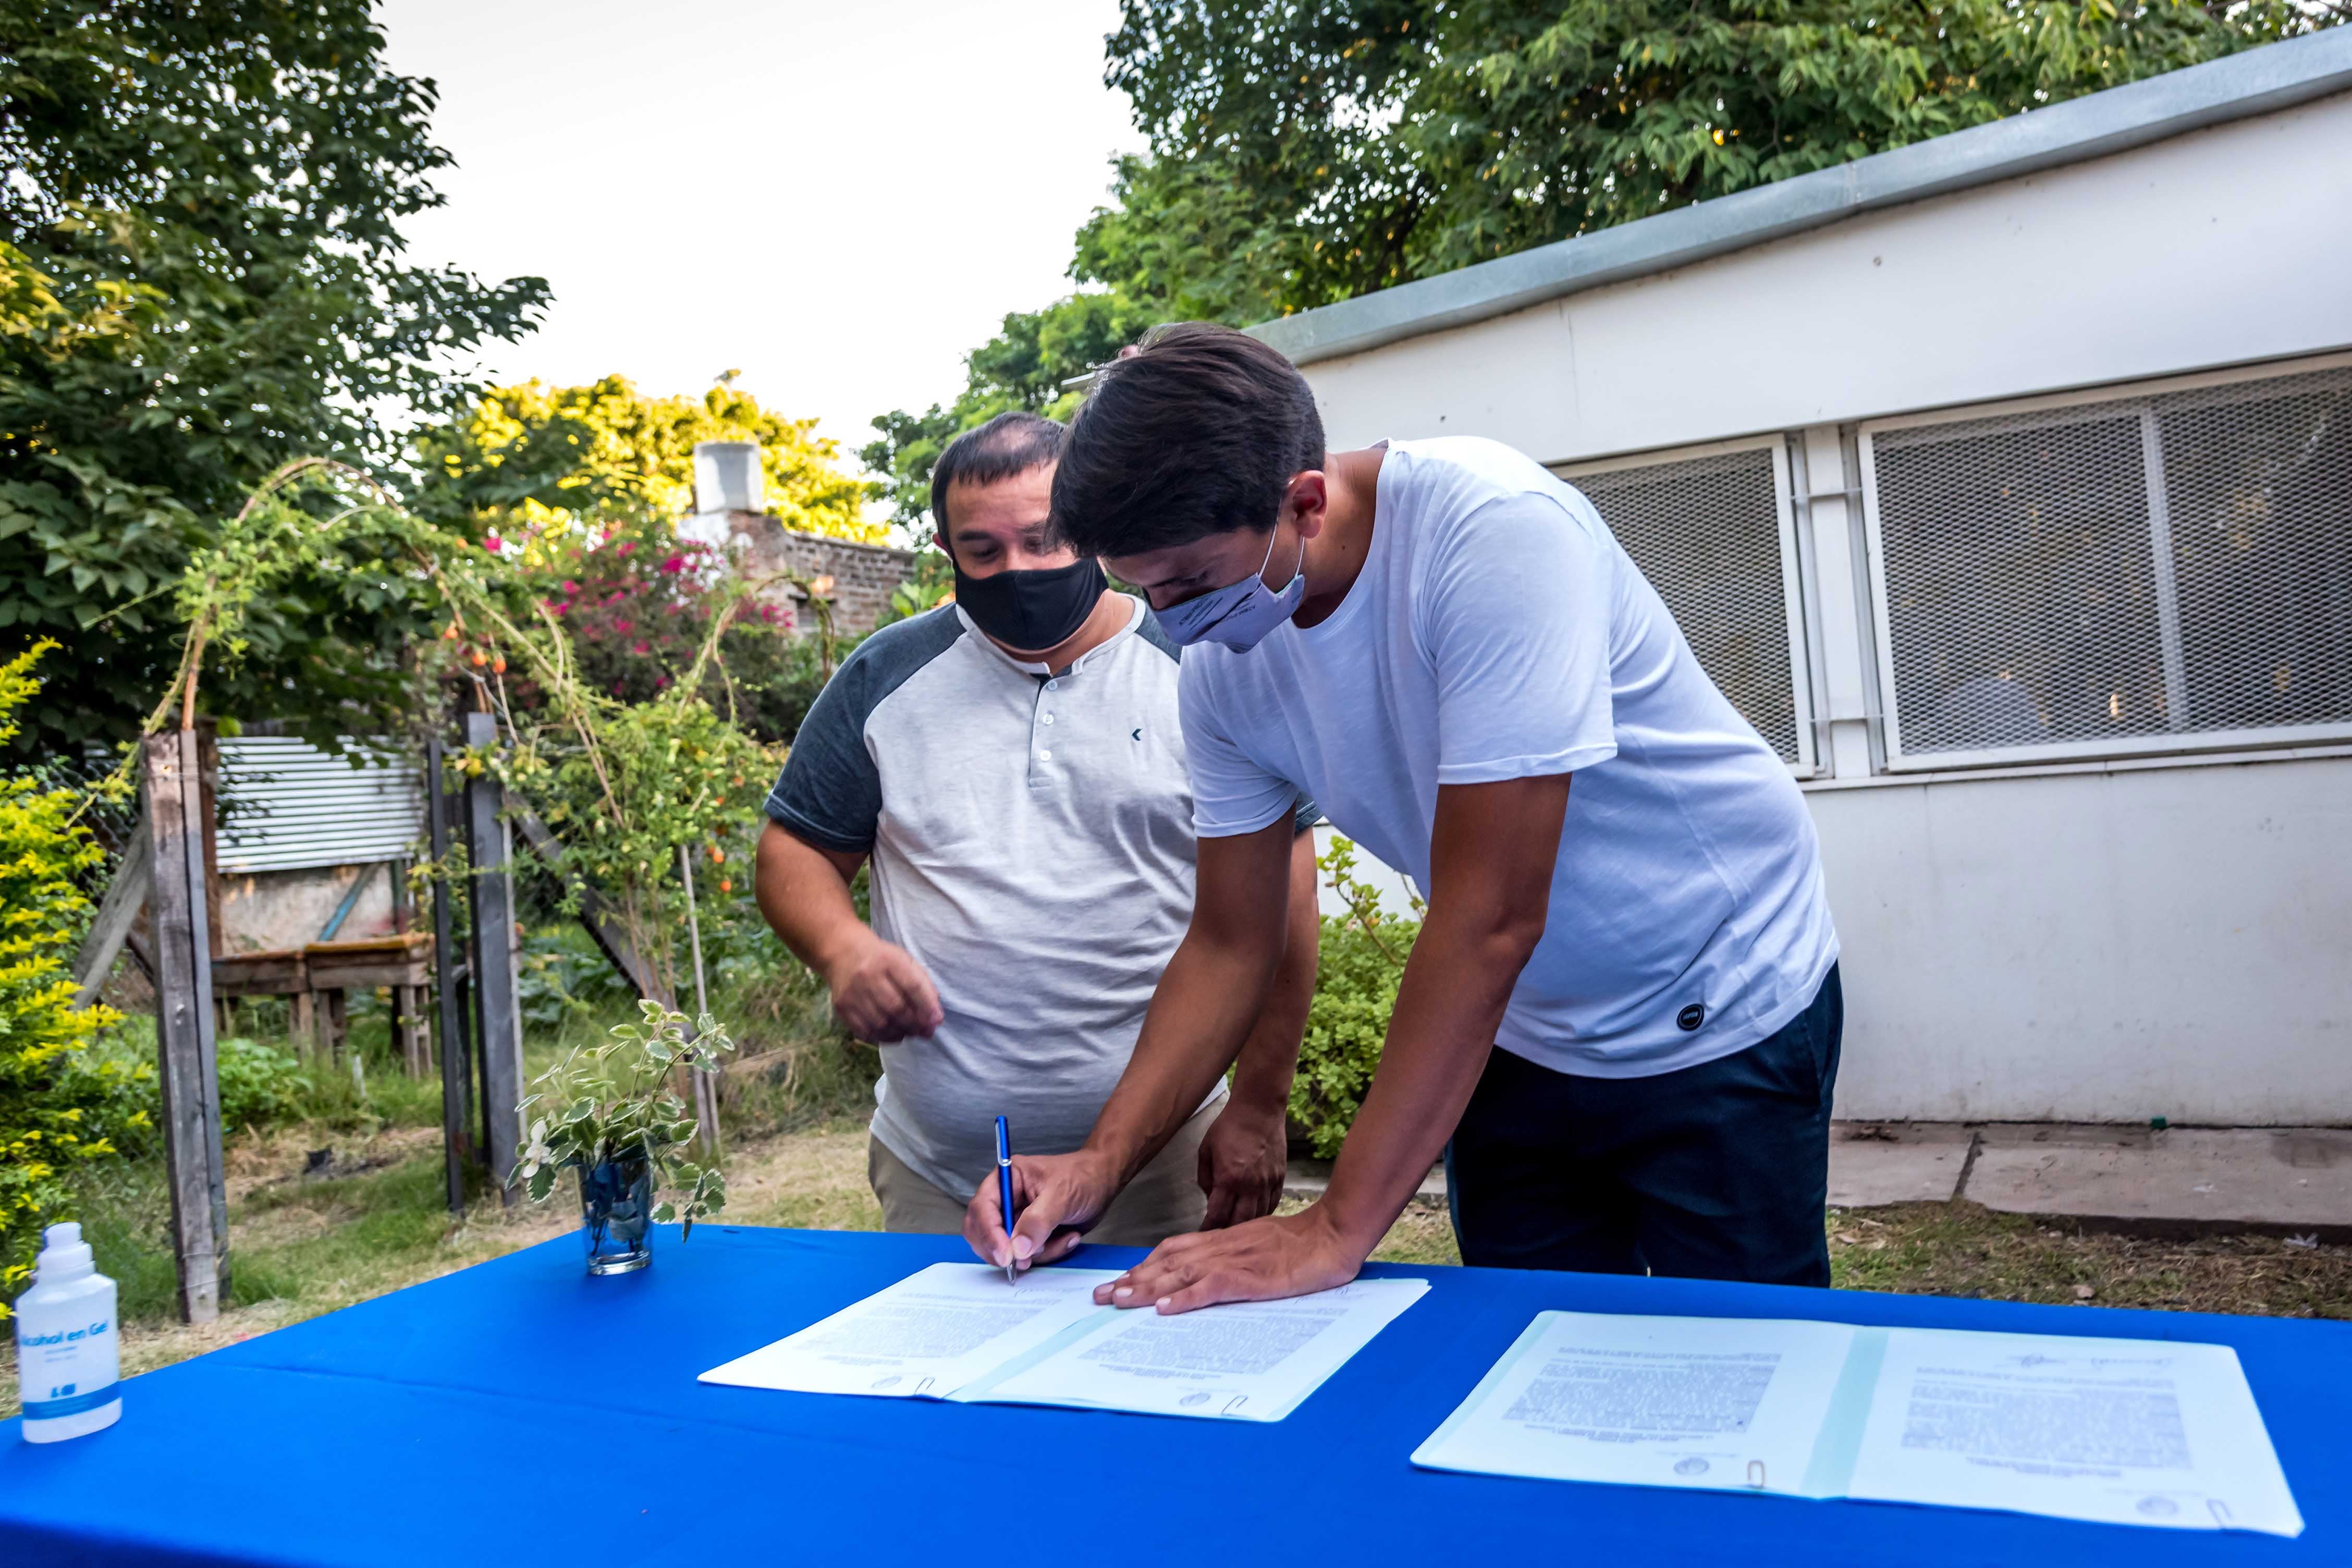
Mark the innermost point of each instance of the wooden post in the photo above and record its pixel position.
(126, 895)
(410, 1037)
(456, 1054)
(302, 1022)
(183, 1025)
(334, 1021)
(208, 771)
(497, 1018)
(705, 1080)
(409, 1031)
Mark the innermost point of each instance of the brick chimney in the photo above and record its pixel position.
(729, 497)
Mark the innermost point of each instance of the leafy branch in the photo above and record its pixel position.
(610, 1101)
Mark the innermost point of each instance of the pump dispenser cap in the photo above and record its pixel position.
(64, 1254)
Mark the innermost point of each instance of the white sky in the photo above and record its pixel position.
(840, 199)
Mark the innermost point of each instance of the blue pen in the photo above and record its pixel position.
(1004, 1191)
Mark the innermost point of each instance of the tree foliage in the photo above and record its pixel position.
(639, 605)
(1028, 364)
(1358, 968)
(533, 462)
(1301, 153)
(51, 1117)
(579, 490)
(201, 276)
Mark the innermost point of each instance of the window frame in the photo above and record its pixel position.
(2139, 396)
(1792, 572)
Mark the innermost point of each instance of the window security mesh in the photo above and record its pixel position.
(2020, 596)
(2259, 478)
(2032, 598)
(1706, 532)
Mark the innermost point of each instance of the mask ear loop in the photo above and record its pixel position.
(1298, 567)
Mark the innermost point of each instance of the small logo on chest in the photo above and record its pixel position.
(1136, 733)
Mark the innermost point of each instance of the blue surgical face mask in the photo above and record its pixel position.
(1239, 615)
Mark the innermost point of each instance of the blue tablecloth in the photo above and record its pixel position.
(521, 1413)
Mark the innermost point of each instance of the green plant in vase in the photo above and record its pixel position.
(609, 1110)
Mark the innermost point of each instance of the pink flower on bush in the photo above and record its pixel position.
(676, 564)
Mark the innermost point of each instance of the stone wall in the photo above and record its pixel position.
(864, 576)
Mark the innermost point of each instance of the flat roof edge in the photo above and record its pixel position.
(2258, 81)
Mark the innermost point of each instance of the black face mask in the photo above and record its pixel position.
(1032, 611)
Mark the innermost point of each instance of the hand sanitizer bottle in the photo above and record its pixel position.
(68, 1358)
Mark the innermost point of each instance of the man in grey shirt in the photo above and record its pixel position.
(1011, 767)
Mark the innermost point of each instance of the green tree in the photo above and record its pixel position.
(200, 275)
(1029, 364)
(1303, 154)
(534, 462)
(52, 1117)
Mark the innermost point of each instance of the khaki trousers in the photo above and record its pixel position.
(1165, 1199)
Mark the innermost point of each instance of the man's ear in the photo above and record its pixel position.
(1306, 501)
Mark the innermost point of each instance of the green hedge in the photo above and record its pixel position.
(1363, 961)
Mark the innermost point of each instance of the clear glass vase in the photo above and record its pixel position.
(617, 1204)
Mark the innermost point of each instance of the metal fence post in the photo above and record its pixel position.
(457, 1051)
(183, 1024)
(497, 1019)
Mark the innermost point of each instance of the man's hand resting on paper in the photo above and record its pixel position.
(1295, 1255)
(1057, 1196)
(881, 994)
(1243, 1160)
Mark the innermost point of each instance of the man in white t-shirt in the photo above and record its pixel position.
(1621, 1021)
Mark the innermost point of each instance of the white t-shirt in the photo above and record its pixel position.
(1498, 631)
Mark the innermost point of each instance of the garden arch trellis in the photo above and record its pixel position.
(481, 1060)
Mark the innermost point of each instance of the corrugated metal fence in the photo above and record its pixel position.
(288, 805)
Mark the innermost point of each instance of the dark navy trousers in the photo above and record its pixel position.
(1716, 1171)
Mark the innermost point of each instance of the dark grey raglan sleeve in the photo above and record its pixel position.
(830, 793)
(1303, 817)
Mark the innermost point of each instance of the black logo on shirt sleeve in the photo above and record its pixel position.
(1690, 1017)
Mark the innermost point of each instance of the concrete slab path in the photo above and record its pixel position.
(1877, 1163)
(2176, 1180)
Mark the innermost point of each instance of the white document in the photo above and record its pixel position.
(1667, 1402)
(957, 1331)
(2120, 1431)
(1252, 1361)
(925, 1337)
(2125, 1431)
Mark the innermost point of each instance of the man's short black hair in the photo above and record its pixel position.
(1007, 444)
(1197, 433)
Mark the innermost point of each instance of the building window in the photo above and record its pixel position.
(1711, 531)
(2129, 572)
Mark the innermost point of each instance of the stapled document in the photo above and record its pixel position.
(957, 1332)
(2124, 1431)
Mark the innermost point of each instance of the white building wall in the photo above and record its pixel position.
(2100, 945)
(2165, 937)
(2224, 246)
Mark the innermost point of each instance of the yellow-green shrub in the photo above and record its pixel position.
(1361, 963)
(43, 1108)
